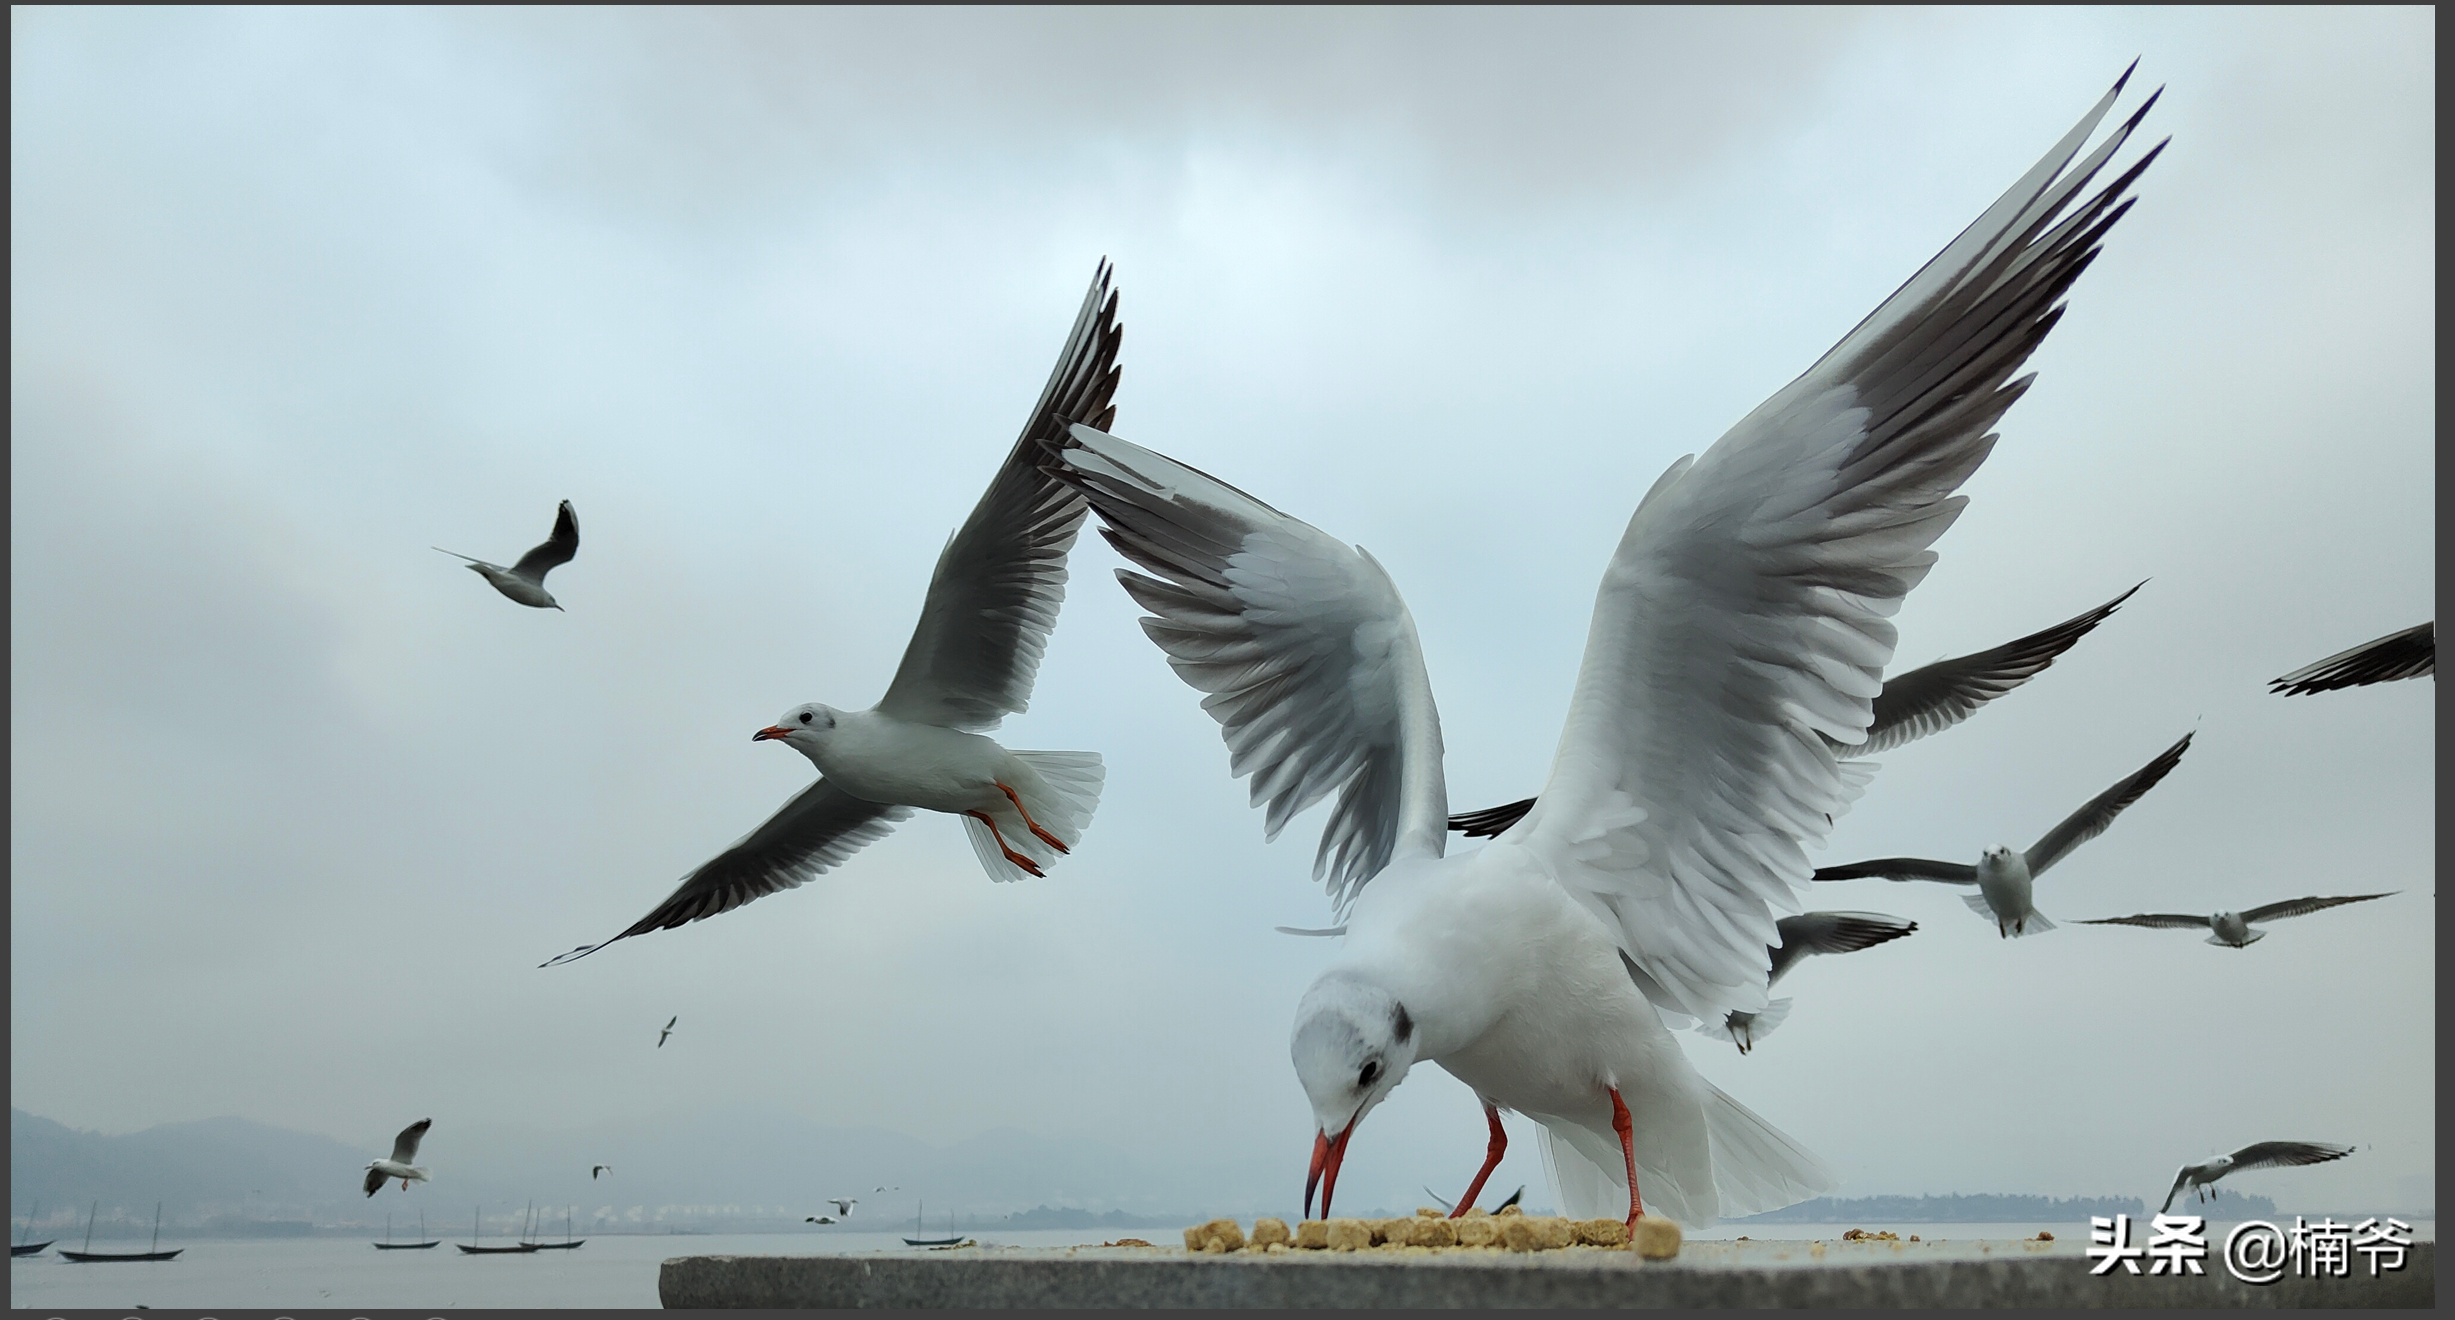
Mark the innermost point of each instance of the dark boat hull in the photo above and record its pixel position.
(89, 1256)
(560, 1246)
(933, 1242)
(28, 1249)
(467, 1250)
(407, 1246)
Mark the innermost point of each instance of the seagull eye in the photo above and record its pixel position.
(1371, 1071)
(805, 717)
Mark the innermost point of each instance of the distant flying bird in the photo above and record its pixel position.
(2003, 877)
(886, 1189)
(1447, 1204)
(992, 601)
(843, 1204)
(525, 581)
(660, 1036)
(1806, 933)
(2234, 928)
(595, 1169)
(2407, 654)
(2261, 1155)
(404, 1150)
(1910, 706)
(819, 1219)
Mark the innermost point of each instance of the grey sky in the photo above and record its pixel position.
(298, 804)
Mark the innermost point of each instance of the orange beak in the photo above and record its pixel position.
(771, 731)
(1328, 1153)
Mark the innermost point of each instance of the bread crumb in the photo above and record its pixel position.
(1349, 1235)
(1600, 1232)
(1815, 1249)
(2044, 1236)
(1433, 1233)
(1270, 1232)
(1477, 1231)
(1507, 1210)
(1657, 1238)
(1427, 1212)
(1275, 1248)
(1312, 1235)
(1216, 1236)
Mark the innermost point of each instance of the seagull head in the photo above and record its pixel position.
(1352, 1045)
(802, 728)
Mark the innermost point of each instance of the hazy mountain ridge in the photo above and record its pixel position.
(1994, 1208)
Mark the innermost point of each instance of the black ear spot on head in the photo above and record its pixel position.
(1403, 1025)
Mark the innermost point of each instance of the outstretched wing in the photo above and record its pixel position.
(1832, 932)
(1491, 822)
(2155, 920)
(2180, 1179)
(1741, 630)
(556, 550)
(2285, 1154)
(1937, 696)
(374, 1181)
(1900, 868)
(1002, 576)
(2302, 907)
(1309, 656)
(405, 1146)
(815, 832)
(2407, 654)
(2092, 819)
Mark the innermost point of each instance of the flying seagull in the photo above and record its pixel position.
(667, 1031)
(1910, 706)
(2407, 654)
(2259, 1155)
(525, 581)
(886, 1189)
(2235, 928)
(1742, 619)
(971, 662)
(2003, 876)
(404, 1150)
(843, 1204)
(819, 1219)
(595, 1169)
(1806, 933)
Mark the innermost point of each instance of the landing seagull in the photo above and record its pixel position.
(2259, 1155)
(1806, 933)
(525, 581)
(2235, 928)
(667, 1031)
(1742, 621)
(2003, 876)
(971, 661)
(2407, 654)
(404, 1150)
(1929, 699)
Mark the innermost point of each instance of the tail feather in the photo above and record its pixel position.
(1062, 791)
(1756, 1166)
(1746, 1029)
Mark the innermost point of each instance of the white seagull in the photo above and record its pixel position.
(971, 662)
(2259, 1155)
(1806, 933)
(667, 1030)
(1741, 623)
(525, 581)
(404, 1150)
(1928, 699)
(843, 1204)
(2411, 653)
(2235, 929)
(2005, 877)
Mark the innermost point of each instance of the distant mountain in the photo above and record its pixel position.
(1995, 1209)
(213, 1168)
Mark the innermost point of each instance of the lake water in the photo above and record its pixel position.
(317, 1273)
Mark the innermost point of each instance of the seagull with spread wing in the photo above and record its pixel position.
(401, 1166)
(667, 1030)
(525, 581)
(1806, 933)
(992, 601)
(2005, 877)
(2412, 653)
(2258, 1155)
(1740, 633)
(1928, 699)
(2237, 929)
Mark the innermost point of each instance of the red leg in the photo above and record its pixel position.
(1626, 1127)
(1491, 1160)
(1045, 837)
(1011, 855)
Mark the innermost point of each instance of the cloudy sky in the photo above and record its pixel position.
(298, 804)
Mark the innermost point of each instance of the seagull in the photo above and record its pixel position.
(2258, 1155)
(2407, 654)
(819, 1219)
(667, 1031)
(404, 1149)
(2234, 928)
(2003, 876)
(595, 1169)
(1742, 620)
(971, 662)
(1806, 933)
(1925, 700)
(525, 581)
(843, 1204)
(886, 1189)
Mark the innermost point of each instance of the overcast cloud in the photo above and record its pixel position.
(298, 805)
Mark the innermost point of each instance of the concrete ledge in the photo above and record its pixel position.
(1705, 1274)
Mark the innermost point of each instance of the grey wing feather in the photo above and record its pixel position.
(405, 1146)
(374, 1181)
(815, 832)
(2302, 907)
(999, 582)
(556, 550)
(1832, 932)
(2092, 819)
(2180, 1179)
(2157, 920)
(2286, 1154)
(2407, 654)
(1935, 697)
(1901, 868)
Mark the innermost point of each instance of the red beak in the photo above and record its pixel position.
(771, 731)
(1328, 1153)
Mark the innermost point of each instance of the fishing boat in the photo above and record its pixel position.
(951, 1239)
(472, 1248)
(420, 1245)
(90, 1255)
(21, 1247)
(567, 1244)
